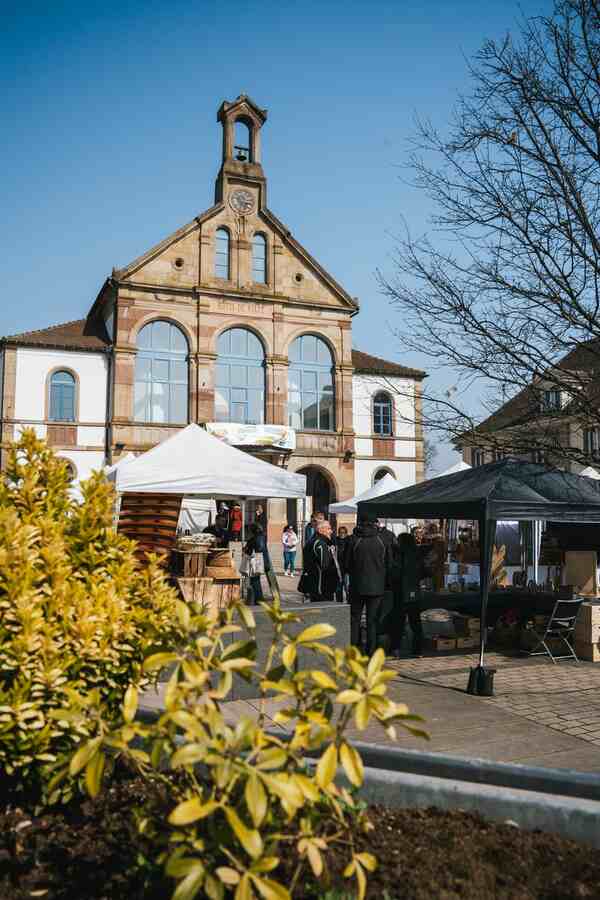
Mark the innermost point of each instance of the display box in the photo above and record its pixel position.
(443, 643)
(467, 643)
(589, 614)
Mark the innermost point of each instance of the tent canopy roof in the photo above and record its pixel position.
(383, 486)
(196, 463)
(507, 489)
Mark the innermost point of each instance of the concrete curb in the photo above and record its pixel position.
(570, 817)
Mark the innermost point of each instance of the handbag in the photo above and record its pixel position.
(256, 565)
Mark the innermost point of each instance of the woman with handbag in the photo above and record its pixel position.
(256, 562)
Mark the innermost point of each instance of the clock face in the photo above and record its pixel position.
(241, 201)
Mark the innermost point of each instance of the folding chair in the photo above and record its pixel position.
(561, 625)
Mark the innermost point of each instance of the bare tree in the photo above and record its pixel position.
(507, 293)
(430, 452)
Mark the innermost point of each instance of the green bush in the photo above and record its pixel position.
(78, 614)
(243, 797)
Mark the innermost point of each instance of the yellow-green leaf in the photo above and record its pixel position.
(362, 714)
(93, 774)
(243, 890)
(376, 663)
(352, 763)
(288, 657)
(130, 703)
(237, 663)
(327, 766)
(191, 884)
(83, 755)
(249, 838)
(188, 755)
(367, 860)
(346, 697)
(269, 889)
(256, 799)
(324, 680)
(227, 875)
(315, 633)
(158, 661)
(186, 812)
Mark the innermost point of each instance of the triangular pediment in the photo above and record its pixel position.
(185, 259)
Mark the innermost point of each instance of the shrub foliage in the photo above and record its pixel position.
(78, 614)
(243, 796)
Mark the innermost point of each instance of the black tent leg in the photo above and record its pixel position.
(481, 679)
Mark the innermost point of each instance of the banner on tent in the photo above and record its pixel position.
(277, 436)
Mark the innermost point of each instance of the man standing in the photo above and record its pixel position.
(321, 576)
(368, 564)
(219, 530)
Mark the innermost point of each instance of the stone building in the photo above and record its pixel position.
(228, 320)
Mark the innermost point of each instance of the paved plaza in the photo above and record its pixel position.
(541, 714)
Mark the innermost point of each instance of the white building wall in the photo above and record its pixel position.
(402, 392)
(33, 368)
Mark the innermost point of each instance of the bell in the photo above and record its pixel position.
(241, 156)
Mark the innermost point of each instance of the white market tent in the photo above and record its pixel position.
(194, 463)
(383, 486)
(460, 466)
(590, 472)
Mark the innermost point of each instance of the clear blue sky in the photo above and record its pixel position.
(110, 140)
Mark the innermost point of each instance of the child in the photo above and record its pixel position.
(289, 540)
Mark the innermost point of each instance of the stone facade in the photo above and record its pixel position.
(176, 281)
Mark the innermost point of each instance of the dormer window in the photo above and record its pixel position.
(551, 400)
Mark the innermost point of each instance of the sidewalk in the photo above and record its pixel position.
(542, 714)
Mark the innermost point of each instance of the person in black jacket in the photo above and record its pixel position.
(321, 575)
(405, 579)
(219, 530)
(368, 564)
(341, 543)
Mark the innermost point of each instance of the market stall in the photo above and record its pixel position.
(192, 464)
(508, 490)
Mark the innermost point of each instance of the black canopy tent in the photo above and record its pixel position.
(507, 490)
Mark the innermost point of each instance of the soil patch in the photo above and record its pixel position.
(93, 850)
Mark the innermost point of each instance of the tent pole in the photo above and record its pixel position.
(481, 679)
(243, 520)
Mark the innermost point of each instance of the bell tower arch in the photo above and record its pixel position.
(241, 121)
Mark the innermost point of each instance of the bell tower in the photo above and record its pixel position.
(241, 121)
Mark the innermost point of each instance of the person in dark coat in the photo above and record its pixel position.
(367, 563)
(257, 544)
(219, 530)
(405, 578)
(388, 537)
(321, 575)
(341, 544)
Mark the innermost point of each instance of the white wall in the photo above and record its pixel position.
(402, 391)
(33, 366)
(364, 469)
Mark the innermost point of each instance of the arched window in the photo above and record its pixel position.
(240, 378)
(311, 396)
(382, 414)
(259, 259)
(61, 407)
(242, 142)
(161, 374)
(381, 473)
(222, 253)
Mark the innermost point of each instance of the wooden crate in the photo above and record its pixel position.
(220, 558)
(220, 572)
(151, 520)
(189, 563)
(589, 652)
